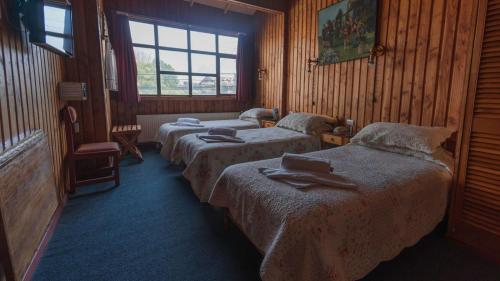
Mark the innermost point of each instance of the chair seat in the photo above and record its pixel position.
(98, 147)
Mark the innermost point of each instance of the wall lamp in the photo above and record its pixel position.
(376, 51)
(261, 72)
(310, 62)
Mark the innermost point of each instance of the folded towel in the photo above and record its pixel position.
(303, 179)
(188, 120)
(184, 124)
(299, 162)
(222, 131)
(219, 138)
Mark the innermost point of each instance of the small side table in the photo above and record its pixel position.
(267, 123)
(330, 139)
(127, 135)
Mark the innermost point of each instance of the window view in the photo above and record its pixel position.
(174, 61)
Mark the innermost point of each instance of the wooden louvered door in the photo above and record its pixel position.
(475, 215)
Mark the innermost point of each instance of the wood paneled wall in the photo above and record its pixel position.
(421, 79)
(270, 52)
(28, 95)
(178, 11)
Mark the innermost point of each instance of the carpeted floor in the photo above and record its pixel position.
(153, 228)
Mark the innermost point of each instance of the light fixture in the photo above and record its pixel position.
(311, 62)
(261, 72)
(376, 51)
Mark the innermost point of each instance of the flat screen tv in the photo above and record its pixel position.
(49, 24)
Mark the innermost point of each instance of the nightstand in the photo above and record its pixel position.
(266, 123)
(330, 139)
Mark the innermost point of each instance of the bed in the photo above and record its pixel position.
(330, 233)
(206, 161)
(169, 134)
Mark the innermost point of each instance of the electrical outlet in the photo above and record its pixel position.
(349, 122)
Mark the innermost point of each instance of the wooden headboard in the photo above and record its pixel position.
(28, 200)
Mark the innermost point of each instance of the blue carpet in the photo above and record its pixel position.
(152, 227)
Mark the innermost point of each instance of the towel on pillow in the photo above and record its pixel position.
(188, 120)
(299, 162)
(222, 131)
(219, 138)
(185, 124)
(306, 179)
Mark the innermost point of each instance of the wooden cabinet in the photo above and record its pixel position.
(475, 213)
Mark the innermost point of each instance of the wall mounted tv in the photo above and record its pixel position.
(50, 25)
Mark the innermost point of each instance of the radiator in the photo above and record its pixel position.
(151, 123)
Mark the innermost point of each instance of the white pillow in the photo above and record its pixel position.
(407, 137)
(305, 123)
(256, 114)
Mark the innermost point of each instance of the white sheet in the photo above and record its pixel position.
(168, 134)
(329, 233)
(206, 161)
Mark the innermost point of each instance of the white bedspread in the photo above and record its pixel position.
(206, 161)
(169, 134)
(335, 234)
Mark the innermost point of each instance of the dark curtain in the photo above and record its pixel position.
(244, 65)
(121, 40)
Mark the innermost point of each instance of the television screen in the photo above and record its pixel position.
(50, 25)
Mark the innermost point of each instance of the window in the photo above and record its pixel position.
(173, 61)
(58, 28)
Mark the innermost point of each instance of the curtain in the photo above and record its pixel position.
(121, 40)
(244, 66)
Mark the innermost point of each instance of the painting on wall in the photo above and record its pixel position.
(347, 30)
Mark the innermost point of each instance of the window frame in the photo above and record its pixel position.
(188, 28)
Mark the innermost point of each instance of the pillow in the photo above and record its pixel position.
(305, 123)
(402, 136)
(256, 114)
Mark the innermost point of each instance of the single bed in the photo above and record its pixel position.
(330, 233)
(206, 161)
(169, 134)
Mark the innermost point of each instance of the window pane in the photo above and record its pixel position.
(204, 86)
(173, 61)
(228, 45)
(201, 41)
(227, 76)
(172, 37)
(175, 85)
(146, 71)
(142, 33)
(55, 19)
(203, 64)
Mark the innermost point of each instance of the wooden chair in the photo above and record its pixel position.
(85, 151)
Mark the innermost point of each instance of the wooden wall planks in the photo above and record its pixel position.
(270, 56)
(28, 95)
(420, 79)
(178, 11)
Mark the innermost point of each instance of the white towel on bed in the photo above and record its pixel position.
(219, 138)
(222, 131)
(184, 124)
(188, 120)
(306, 179)
(299, 162)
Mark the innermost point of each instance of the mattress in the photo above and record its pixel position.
(335, 234)
(206, 161)
(169, 134)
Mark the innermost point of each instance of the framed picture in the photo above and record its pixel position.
(347, 30)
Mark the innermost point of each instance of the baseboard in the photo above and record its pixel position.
(49, 232)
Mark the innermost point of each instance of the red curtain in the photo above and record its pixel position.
(121, 40)
(245, 67)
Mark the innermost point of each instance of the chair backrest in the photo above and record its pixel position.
(70, 118)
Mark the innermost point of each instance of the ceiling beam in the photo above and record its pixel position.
(275, 5)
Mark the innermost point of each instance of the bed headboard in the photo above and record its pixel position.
(28, 200)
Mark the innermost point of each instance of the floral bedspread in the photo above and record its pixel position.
(168, 134)
(335, 234)
(206, 161)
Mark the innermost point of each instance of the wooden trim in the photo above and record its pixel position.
(49, 233)
(189, 98)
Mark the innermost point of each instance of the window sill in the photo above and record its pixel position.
(190, 98)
